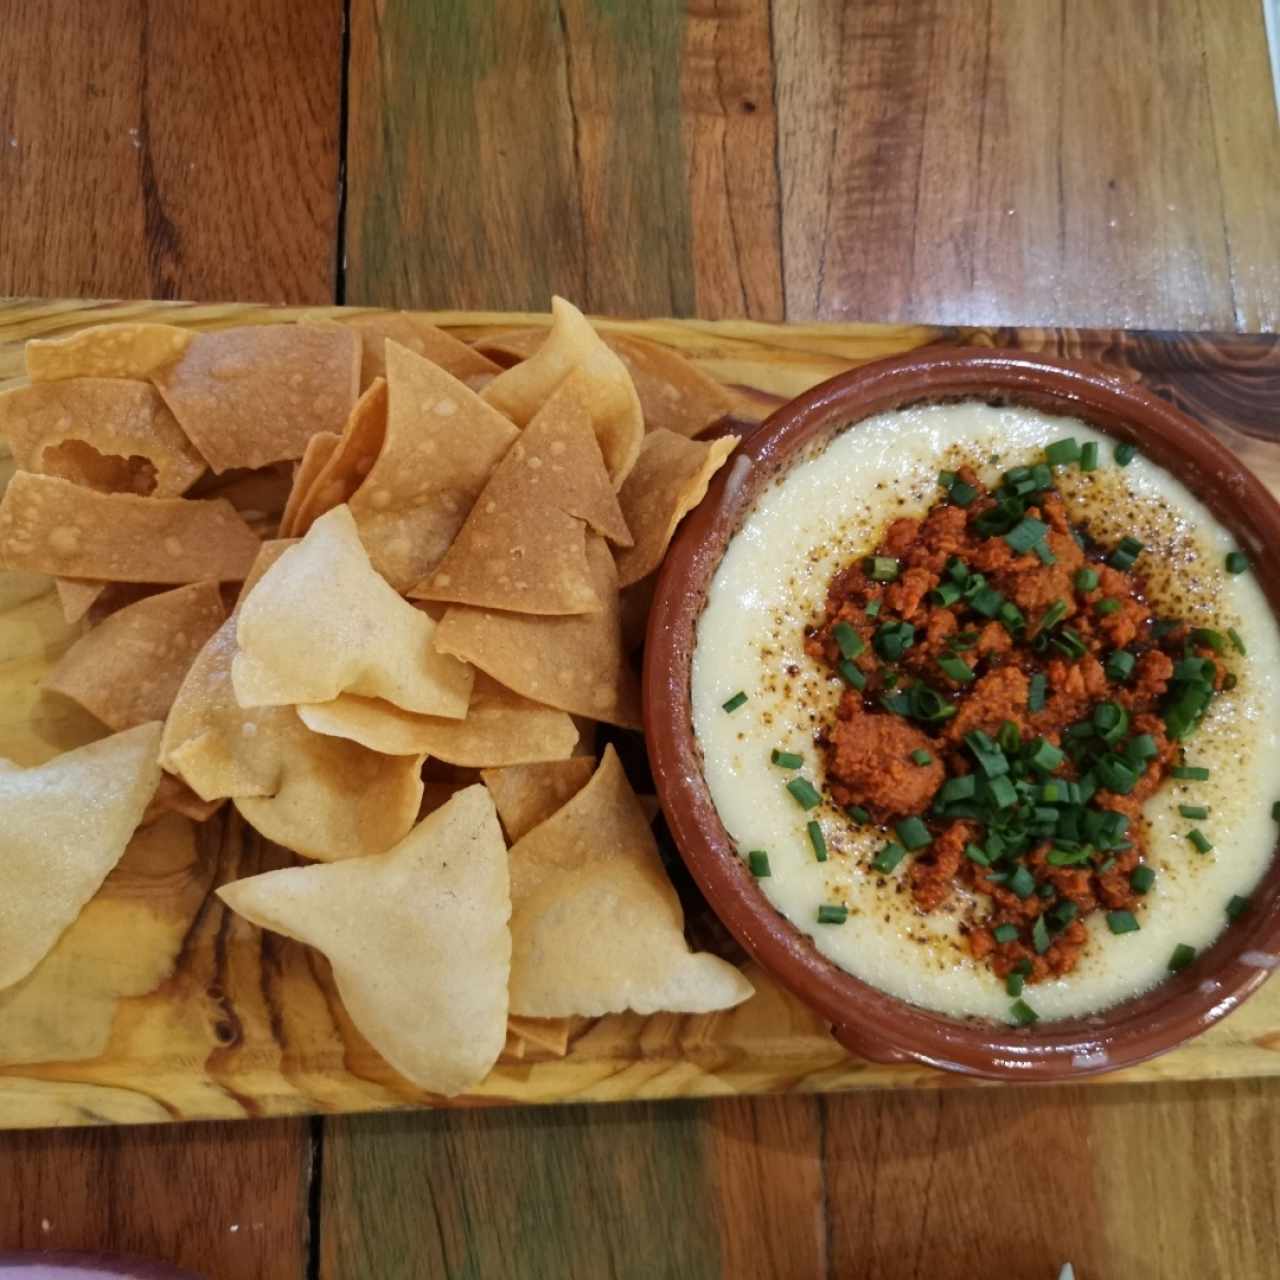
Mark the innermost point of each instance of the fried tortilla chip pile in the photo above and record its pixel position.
(400, 683)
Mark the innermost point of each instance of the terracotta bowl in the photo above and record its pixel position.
(867, 1021)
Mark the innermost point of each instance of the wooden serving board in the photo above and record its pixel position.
(156, 1005)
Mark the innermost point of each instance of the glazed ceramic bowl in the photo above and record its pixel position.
(867, 1021)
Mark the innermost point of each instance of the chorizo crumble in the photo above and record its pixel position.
(1011, 702)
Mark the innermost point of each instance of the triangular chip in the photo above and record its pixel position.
(260, 496)
(596, 927)
(109, 434)
(523, 547)
(571, 344)
(550, 1035)
(670, 478)
(501, 728)
(127, 670)
(321, 622)
(322, 797)
(573, 662)
(675, 395)
(76, 596)
(54, 526)
(346, 466)
(65, 824)
(315, 456)
(174, 796)
(417, 937)
(527, 794)
(257, 394)
(414, 334)
(442, 442)
(126, 350)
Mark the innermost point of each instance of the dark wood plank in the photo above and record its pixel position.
(225, 1200)
(170, 150)
(1057, 163)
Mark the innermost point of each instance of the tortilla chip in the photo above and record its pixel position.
(670, 479)
(574, 662)
(105, 433)
(259, 496)
(76, 596)
(54, 526)
(393, 927)
(322, 797)
(675, 395)
(322, 622)
(414, 334)
(523, 547)
(65, 825)
(572, 343)
(257, 394)
(527, 794)
(442, 442)
(315, 457)
(549, 1034)
(596, 927)
(347, 465)
(107, 351)
(637, 601)
(501, 728)
(127, 670)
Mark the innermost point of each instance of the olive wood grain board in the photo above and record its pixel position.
(151, 1009)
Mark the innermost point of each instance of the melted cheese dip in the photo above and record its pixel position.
(830, 509)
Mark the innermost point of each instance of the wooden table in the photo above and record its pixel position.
(981, 161)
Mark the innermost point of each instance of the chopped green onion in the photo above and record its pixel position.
(1236, 641)
(871, 608)
(735, 702)
(1068, 641)
(1036, 691)
(1182, 956)
(1190, 773)
(1122, 922)
(881, 568)
(758, 861)
(956, 668)
(921, 757)
(986, 601)
(831, 914)
(1202, 842)
(913, 833)
(1064, 913)
(974, 854)
(804, 793)
(1043, 554)
(851, 675)
(1060, 857)
(1237, 562)
(850, 642)
(1023, 1014)
(1089, 456)
(929, 705)
(893, 639)
(1211, 639)
(962, 493)
(818, 841)
(1125, 454)
(786, 759)
(947, 478)
(1141, 749)
(1194, 810)
(1040, 936)
(1013, 984)
(946, 594)
(1110, 721)
(1119, 665)
(1236, 907)
(1041, 477)
(1142, 879)
(1022, 882)
(1063, 451)
(962, 787)
(1002, 792)
(1086, 580)
(962, 640)
(1106, 607)
(1275, 811)
(888, 858)
(1011, 616)
(1053, 615)
(1026, 533)
(1005, 933)
(858, 814)
(1044, 755)
(1126, 552)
